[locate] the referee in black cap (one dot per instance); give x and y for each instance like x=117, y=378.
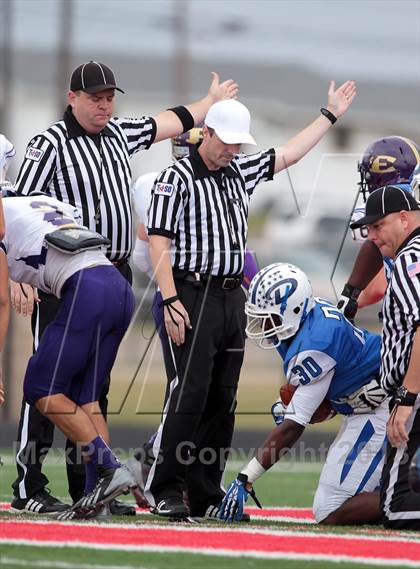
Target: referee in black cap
x=393, y=222
x=197, y=231
x=83, y=160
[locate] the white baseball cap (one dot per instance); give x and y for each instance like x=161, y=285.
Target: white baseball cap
x=231, y=121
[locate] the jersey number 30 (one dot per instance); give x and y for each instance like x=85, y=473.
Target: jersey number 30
x=308, y=370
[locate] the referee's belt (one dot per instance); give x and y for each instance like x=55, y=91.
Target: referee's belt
x=199, y=279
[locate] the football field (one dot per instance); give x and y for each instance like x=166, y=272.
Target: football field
x=282, y=533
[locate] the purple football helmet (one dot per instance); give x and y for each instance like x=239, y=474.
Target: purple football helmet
x=389, y=160
x=184, y=143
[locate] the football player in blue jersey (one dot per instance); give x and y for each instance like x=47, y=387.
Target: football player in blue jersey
x=389, y=160
x=326, y=358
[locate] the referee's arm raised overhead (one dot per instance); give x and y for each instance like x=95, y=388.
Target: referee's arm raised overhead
x=170, y=123
x=339, y=100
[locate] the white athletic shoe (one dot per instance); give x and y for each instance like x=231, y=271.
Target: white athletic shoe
x=112, y=483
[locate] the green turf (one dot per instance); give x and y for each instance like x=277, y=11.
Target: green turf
x=51, y=557
x=287, y=484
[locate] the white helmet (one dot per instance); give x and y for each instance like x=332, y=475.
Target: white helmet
x=280, y=297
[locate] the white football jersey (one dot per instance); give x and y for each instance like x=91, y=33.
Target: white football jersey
x=7, y=151
x=360, y=234
x=28, y=220
x=142, y=193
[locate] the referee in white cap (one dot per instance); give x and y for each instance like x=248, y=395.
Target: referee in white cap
x=198, y=228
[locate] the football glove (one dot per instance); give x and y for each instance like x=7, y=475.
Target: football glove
x=277, y=410
x=347, y=302
x=232, y=507
x=366, y=398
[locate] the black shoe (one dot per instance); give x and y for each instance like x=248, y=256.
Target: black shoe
x=172, y=507
x=118, y=508
x=40, y=503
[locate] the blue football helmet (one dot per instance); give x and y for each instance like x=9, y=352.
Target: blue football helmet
x=280, y=298
x=389, y=160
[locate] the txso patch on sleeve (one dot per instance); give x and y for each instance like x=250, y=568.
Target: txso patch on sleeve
x=162, y=189
x=34, y=154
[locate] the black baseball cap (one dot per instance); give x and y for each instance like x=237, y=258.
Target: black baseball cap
x=93, y=77
x=386, y=200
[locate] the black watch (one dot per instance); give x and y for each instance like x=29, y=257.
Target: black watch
x=404, y=397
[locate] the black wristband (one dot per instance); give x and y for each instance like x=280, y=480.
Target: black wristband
x=405, y=398
x=184, y=116
x=351, y=291
x=168, y=301
x=332, y=118
x=242, y=478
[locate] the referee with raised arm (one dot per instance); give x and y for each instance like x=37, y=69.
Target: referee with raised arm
x=84, y=160
x=197, y=230
x=393, y=221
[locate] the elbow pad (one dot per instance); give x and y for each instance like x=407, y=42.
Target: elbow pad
x=141, y=257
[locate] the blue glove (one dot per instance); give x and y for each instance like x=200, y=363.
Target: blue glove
x=277, y=410
x=232, y=507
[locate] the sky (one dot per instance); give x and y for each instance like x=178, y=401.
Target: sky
x=376, y=39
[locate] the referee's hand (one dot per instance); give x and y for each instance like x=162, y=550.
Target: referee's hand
x=23, y=297
x=176, y=320
x=396, y=429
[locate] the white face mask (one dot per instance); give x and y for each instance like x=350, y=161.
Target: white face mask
x=266, y=330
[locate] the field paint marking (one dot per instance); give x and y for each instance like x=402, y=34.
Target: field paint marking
x=217, y=553
x=214, y=540
x=63, y=564
x=384, y=535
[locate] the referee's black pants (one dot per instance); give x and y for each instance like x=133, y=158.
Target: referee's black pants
x=35, y=434
x=195, y=434
x=400, y=506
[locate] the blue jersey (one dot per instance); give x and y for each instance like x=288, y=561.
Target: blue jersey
x=328, y=341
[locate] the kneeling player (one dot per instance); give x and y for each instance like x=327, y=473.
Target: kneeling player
x=325, y=357
x=46, y=248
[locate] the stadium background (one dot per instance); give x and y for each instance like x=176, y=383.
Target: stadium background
x=282, y=54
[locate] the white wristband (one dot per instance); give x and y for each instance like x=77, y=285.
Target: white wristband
x=253, y=470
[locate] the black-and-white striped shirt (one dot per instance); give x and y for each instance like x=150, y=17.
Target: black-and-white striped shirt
x=401, y=313
x=91, y=172
x=205, y=212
